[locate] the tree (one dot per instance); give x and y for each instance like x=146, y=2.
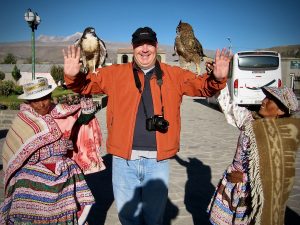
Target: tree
x=297, y=55
x=6, y=87
x=57, y=72
x=9, y=59
x=2, y=75
x=16, y=73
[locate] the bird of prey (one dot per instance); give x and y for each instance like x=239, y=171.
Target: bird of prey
x=93, y=50
x=187, y=47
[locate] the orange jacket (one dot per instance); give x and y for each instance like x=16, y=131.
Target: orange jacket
x=117, y=81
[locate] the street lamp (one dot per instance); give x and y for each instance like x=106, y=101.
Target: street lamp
x=230, y=46
x=33, y=20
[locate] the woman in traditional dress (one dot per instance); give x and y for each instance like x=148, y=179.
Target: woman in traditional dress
x=244, y=194
x=45, y=154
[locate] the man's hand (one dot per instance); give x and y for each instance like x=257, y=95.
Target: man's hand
x=221, y=64
x=71, y=61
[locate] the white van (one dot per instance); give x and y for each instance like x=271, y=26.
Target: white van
x=250, y=71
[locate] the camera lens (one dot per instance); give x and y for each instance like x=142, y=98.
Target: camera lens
x=163, y=124
x=157, y=123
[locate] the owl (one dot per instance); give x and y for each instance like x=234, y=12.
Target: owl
x=93, y=50
x=187, y=47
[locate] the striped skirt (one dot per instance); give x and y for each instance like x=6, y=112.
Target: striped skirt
x=230, y=203
x=36, y=195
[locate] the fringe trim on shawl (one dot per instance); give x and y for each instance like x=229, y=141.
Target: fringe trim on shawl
x=255, y=179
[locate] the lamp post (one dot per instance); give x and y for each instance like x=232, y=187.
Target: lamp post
x=230, y=46
x=33, y=20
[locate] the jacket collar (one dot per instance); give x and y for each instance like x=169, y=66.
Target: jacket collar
x=153, y=71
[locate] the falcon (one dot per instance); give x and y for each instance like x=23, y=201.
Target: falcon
x=187, y=47
x=93, y=50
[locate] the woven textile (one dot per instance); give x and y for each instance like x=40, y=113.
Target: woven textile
x=28, y=133
x=43, y=185
x=277, y=141
x=230, y=202
x=36, y=195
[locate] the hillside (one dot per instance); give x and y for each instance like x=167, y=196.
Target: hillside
x=51, y=52
x=287, y=51
x=48, y=52
x=49, y=49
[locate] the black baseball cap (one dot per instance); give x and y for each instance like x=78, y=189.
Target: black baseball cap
x=143, y=34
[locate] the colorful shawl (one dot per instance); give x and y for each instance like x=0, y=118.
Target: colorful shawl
x=31, y=131
x=274, y=143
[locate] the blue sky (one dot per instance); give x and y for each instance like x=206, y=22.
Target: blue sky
x=250, y=24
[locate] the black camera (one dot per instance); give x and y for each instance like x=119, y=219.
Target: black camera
x=157, y=123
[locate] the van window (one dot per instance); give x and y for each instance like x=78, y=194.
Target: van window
x=258, y=62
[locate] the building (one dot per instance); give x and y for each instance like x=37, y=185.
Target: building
x=290, y=66
x=291, y=73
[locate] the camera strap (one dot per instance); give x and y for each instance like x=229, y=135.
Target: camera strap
x=159, y=82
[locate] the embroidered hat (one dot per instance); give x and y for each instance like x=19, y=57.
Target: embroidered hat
x=36, y=89
x=284, y=95
x=143, y=34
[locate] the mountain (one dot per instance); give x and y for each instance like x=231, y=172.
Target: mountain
x=71, y=38
x=48, y=49
x=287, y=51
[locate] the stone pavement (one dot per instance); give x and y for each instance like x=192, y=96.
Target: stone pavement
x=207, y=147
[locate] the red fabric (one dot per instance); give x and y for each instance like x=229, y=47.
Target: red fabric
x=51, y=166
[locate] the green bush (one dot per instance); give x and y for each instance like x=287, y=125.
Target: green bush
x=18, y=90
x=2, y=75
x=16, y=74
x=9, y=59
x=6, y=87
x=57, y=72
x=14, y=105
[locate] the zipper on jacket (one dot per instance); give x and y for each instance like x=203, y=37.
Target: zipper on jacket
x=134, y=118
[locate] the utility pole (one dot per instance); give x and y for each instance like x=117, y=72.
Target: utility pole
x=230, y=45
x=33, y=20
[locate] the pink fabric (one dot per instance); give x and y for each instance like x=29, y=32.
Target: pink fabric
x=86, y=152
x=87, y=155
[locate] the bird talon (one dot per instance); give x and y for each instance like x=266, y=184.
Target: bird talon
x=95, y=72
x=85, y=70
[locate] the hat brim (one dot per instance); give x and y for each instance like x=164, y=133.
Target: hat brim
x=38, y=94
x=267, y=93
x=141, y=40
x=276, y=98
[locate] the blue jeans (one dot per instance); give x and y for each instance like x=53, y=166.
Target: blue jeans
x=140, y=190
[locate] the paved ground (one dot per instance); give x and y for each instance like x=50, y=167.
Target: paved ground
x=207, y=147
